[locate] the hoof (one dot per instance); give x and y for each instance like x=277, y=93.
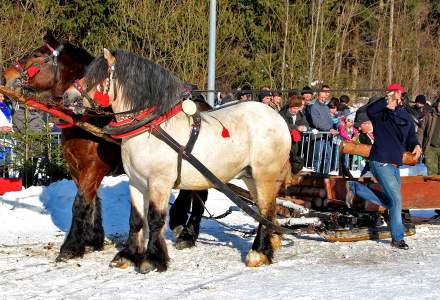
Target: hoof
x=186, y=239
x=255, y=259
x=147, y=266
x=122, y=260
x=66, y=255
x=184, y=244
x=177, y=231
x=121, y=263
x=275, y=241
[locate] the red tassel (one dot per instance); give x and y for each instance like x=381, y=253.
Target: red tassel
x=225, y=132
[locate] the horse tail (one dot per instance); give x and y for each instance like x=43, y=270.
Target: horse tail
x=286, y=177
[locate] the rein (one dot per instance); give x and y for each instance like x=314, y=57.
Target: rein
x=162, y=135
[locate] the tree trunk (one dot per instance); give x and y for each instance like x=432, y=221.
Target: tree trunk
x=286, y=30
x=390, y=43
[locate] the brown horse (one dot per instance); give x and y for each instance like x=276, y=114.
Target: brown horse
x=51, y=69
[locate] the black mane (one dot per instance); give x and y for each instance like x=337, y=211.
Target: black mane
x=145, y=83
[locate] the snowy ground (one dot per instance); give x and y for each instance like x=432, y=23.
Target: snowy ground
x=33, y=223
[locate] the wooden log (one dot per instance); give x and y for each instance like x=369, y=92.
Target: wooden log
x=348, y=147
x=306, y=191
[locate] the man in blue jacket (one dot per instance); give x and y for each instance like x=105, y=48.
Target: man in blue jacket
x=394, y=133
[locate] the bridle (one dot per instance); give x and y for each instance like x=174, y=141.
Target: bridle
x=25, y=74
x=101, y=98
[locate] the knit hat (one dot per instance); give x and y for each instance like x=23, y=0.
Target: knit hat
x=420, y=99
x=350, y=117
x=264, y=93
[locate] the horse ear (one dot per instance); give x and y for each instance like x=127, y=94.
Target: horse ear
x=109, y=57
x=50, y=38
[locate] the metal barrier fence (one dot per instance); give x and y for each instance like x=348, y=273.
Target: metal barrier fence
x=320, y=153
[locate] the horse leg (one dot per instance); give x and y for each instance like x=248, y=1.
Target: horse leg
x=266, y=240
x=156, y=256
x=134, y=249
x=86, y=228
x=188, y=236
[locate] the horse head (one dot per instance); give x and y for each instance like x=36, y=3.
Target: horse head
x=50, y=68
x=128, y=82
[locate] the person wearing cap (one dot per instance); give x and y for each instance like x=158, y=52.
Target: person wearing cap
x=265, y=96
x=307, y=95
x=394, y=133
x=430, y=133
x=322, y=121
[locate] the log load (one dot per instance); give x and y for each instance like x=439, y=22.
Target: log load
x=348, y=147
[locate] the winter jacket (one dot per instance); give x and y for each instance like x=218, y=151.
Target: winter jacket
x=394, y=132
x=294, y=121
x=427, y=130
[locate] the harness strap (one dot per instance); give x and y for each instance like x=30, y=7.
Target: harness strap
x=162, y=135
x=195, y=130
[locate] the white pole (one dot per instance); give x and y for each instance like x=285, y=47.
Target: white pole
x=211, y=51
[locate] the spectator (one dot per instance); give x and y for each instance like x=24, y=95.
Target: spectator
x=297, y=123
x=343, y=108
x=307, y=95
x=5, y=116
x=332, y=105
x=266, y=97
x=245, y=93
x=346, y=129
x=347, y=132
x=276, y=100
x=430, y=139
x=394, y=133
x=322, y=121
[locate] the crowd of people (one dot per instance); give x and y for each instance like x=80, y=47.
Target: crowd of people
x=332, y=120
x=389, y=123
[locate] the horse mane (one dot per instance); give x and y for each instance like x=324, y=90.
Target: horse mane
x=77, y=54
x=144, y=83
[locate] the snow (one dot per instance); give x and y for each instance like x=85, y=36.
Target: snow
x=34, y=221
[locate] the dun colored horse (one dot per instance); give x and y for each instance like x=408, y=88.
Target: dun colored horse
x=255, y=149
x=51, y=69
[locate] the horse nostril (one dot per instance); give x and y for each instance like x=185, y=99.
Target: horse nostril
x=66, y=100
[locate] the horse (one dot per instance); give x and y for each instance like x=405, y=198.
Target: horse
x=89, y=158
x=248, y=140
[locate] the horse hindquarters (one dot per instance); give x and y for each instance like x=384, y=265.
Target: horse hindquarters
x=89, y=160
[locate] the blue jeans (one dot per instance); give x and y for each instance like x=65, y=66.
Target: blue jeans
x=322, y=153
x=388, y=178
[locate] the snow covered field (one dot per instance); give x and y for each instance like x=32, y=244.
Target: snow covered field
x=33, y=223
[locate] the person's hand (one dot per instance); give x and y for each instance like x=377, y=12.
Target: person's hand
x=333, y=131
x=5, y=129
x=302, y=128
x=417, y=152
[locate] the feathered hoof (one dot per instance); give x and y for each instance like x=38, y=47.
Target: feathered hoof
x=146, y=266
x=255, y=259
x=121, y=261
x=275, y=241
x=184, y=244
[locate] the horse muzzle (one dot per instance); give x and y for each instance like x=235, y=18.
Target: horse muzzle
x=74, y=103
